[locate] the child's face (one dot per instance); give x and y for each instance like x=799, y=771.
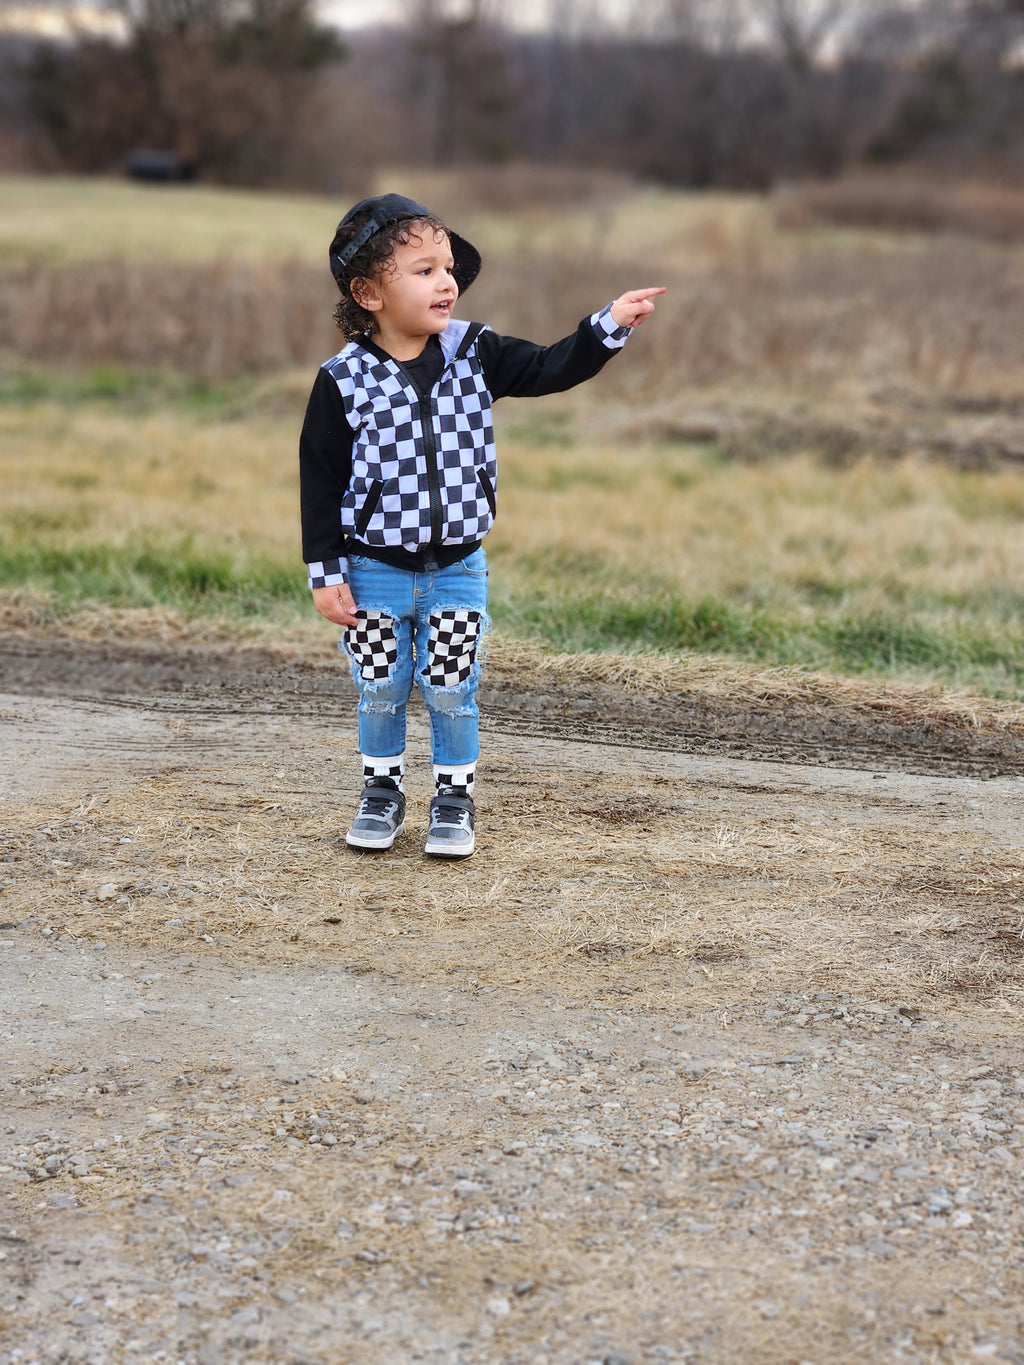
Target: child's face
x=414, y=297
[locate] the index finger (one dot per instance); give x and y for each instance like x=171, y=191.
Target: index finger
x=638, y=295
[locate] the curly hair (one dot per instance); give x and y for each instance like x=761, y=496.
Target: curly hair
x=372, y=261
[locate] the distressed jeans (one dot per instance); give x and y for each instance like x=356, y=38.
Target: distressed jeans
x=422, y=626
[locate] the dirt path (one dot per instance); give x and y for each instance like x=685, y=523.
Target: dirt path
x=703, y=1057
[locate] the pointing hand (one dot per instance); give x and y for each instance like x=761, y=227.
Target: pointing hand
x=635, y=305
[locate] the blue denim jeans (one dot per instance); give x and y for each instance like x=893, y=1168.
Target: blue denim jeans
x=422, y=626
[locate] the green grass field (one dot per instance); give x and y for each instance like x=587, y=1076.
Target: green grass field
x=68, y=220
x=129, y=488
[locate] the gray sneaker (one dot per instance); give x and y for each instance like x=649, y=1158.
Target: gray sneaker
x=379, y=819
x=450, y=835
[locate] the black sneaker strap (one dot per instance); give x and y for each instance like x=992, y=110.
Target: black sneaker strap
x=451, y=798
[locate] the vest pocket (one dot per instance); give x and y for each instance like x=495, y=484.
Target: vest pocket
x=369, y=506
x=488, y=487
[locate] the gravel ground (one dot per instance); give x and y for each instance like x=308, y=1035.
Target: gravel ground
x=470, y=1144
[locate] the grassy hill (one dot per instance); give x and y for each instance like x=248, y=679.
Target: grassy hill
x=805, y=460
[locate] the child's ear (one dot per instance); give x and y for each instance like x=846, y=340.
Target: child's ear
x=367, y=295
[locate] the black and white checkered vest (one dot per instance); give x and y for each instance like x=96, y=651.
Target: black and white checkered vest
x=423, y=466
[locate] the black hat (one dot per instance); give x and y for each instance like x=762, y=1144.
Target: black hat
x=392, y=208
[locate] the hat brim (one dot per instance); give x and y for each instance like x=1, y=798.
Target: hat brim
x=467, y=261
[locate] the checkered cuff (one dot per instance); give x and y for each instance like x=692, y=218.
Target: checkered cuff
x=326, y=573
x=610, y=334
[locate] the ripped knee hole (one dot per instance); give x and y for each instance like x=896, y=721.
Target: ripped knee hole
x=452, y=645
x=373, y=644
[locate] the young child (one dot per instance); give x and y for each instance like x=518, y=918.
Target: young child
x=398, y=484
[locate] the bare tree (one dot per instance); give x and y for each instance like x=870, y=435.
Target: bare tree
x=694, y=92
x=718, y=25
x=460, y=80
x=221, y=83
x=800, y=29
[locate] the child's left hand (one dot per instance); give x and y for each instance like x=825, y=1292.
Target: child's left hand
x=631, y=309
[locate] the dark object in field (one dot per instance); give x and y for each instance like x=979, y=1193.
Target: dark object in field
x=160, y=167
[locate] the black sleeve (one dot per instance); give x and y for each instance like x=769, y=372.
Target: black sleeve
x=520, y=369
x=325, y=467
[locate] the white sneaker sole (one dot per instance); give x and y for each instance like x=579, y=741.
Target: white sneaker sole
x=365, y=841
x=444, y=849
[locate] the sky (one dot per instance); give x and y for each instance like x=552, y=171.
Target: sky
x=54, y=16
x=578, y=15
x=525, y=14
x=357, y=13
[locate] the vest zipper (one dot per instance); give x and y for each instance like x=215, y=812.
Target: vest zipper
x=426, y=406
x=430, y=457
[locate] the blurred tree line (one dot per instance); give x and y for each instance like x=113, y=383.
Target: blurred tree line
x=731, y=93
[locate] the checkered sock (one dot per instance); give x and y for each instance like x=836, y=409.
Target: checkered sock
x=455, y=777
x=384, y=767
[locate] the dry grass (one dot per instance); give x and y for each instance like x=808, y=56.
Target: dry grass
x=903, y=201
x=74, y=220
x=206, y=320
x=515, y=189
x=700, y=894
x=748, y=303
x=111, y=501
x=833, y=319
x=510, y=660
x=872, y=532
x=913, y=531
x=828, y=354
x=308, y=640
x=100, y=475
x=694, y=886
x=927, y=553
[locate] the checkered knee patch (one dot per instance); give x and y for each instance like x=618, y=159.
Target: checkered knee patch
x=373, y=645
x=451, y=649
